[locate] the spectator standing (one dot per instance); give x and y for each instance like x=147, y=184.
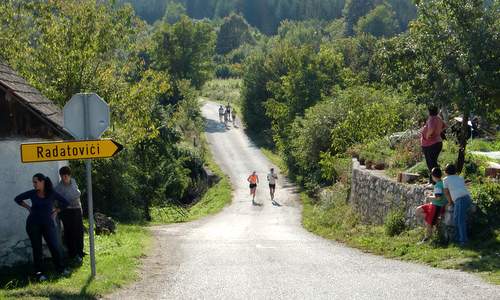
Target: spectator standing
x=431, y=140
x=457, y=194
x=71, y=216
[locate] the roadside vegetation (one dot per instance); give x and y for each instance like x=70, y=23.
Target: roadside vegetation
x=152, y=88
x=336, y=79
x=318, y=93
x=212, y=201
x=117, y=256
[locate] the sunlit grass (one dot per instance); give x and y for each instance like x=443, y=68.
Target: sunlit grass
x=481, y=257
x=213, y=201
x=117, y=258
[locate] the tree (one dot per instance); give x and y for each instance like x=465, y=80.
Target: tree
x=233, y=33
x=353, y=11
x=185, y=50
x=378, y=22
x=454, y=45
x=174, y=12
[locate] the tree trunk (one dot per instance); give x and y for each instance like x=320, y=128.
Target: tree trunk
x=147, y=212
x=462, y=142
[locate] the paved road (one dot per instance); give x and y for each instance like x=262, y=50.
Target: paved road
x=262, y=252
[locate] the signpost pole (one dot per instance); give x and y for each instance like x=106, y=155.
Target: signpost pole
x=88, y=167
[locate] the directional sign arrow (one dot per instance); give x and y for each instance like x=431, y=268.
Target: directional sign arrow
x=39, y=152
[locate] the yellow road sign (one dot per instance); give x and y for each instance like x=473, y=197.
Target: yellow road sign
x=39, y=152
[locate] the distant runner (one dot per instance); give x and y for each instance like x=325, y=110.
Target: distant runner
x=235, y=124
x=272, y=177
x=253, y=180
x=221, y=114
x=228, y=111
x=226, y=119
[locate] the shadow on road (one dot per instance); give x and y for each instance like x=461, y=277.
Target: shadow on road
x=212, y=126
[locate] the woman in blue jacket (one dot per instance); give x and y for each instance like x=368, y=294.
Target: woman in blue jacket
x=41, y=221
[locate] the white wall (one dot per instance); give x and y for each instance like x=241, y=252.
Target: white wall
x=15, y=178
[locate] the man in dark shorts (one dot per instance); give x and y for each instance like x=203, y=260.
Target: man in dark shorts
x=271, y=178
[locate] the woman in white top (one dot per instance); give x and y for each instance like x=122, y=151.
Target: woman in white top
x=456, y=192
x=272, y=177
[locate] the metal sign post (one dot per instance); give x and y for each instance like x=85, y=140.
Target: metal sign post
x=88, y=127
x=94, y=122
x=90, y=204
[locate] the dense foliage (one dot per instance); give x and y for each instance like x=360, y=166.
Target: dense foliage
x=266, y=15
x=314, y=94
x=145, y=74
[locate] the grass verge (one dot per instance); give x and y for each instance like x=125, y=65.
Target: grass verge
x=330, y=221
x=334, y=219
x=213, y=201
x=117, y=258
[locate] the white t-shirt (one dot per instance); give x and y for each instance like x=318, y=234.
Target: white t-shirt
x=271, y=177
x=456, y=185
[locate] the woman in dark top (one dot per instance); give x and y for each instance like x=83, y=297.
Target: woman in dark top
x=41, y=221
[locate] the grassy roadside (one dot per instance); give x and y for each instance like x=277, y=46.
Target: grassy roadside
x=212, y=202
x=117, y=257
x=480, y=258
x=335, y=220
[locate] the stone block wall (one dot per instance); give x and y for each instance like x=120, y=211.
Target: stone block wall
x=374, y=195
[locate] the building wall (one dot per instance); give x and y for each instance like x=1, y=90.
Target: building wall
x=374, y=195
x=15, y=178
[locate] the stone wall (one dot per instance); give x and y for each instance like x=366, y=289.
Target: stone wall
x=15, y=178
x=374, y=195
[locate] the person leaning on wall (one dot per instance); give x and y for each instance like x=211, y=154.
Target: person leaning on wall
x=71, y=216
x=41, y=222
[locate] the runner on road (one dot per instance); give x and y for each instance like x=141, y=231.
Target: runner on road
x=228, y=111
x=234, y=119
x=272, y=177
x=221, y=114
x=253, y=180
x=226, y=119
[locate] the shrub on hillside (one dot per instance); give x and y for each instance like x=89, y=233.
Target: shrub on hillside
x=333, y=209
x=487, y=198
x=394, y=223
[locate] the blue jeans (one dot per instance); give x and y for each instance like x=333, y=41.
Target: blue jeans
x=462, y=205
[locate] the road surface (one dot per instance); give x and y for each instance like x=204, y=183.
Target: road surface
x=262, y=252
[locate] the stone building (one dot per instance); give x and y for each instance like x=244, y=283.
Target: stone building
x=25, y=116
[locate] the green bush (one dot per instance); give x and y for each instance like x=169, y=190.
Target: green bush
x=484, y=145
x=487, y=198
x=378, y=151
x=420, y=168
x=333, y=211
x=406, y=154
x=394, y=223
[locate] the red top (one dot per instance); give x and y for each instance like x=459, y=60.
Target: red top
x=436, y=126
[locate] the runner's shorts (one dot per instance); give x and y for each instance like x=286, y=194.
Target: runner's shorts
x=253, y=185
x=272, y=186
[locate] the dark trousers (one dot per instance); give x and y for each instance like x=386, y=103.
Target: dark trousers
x=73, y=231
x=47, y=229
x=431, y=154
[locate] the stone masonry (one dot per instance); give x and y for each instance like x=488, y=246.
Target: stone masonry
x=374, y=195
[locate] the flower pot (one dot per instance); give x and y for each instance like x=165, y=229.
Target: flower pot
x=369, y=164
